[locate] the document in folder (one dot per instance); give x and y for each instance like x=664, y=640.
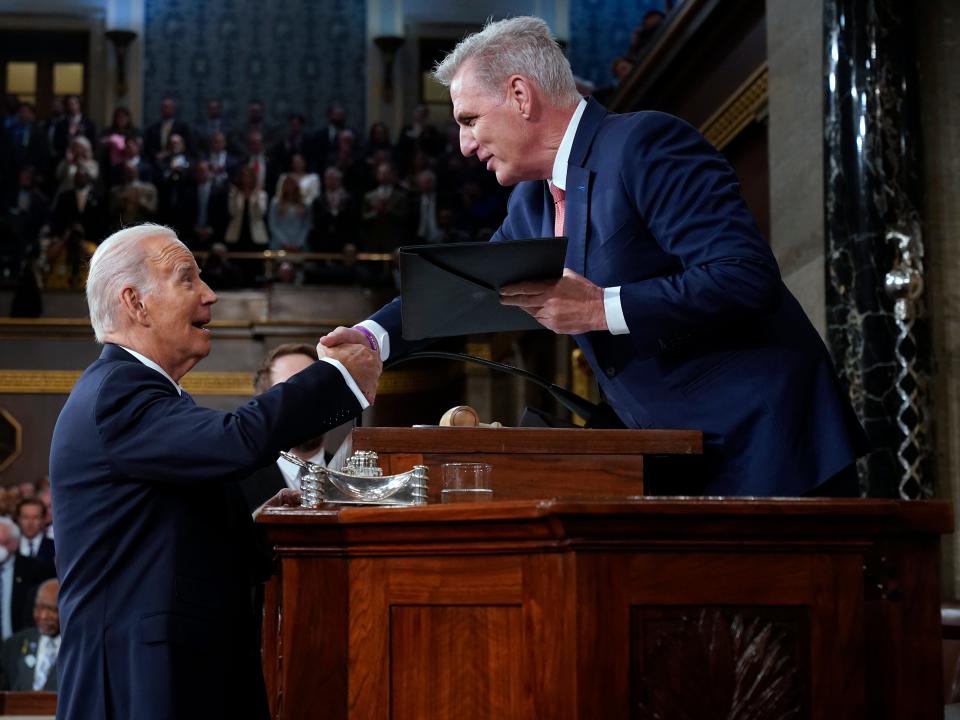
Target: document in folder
x=454, y=289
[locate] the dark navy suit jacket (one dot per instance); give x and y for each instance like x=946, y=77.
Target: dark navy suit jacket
x=154, y=539
x=717, y=342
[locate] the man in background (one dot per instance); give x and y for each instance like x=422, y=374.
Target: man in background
x=280, y=364
x=28, y=659
x=19, y=577
x=31, y=517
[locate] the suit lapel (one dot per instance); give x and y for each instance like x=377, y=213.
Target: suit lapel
x=577, y=211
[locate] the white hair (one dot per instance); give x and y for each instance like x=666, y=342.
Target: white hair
x=12, y=527
x=516, y=46
x=119, y=262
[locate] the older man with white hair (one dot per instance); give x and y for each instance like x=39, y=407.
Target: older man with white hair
x=154, y=543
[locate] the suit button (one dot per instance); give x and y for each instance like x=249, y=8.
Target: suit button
x=610, y=371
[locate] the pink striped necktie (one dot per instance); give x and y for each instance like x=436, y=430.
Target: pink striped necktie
x=558, y=207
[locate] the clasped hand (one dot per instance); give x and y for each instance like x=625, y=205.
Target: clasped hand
x=350, y=348
x=569, y=305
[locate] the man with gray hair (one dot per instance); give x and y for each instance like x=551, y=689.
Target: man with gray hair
x=19, y=577
x=669, y=289
x=155, y=547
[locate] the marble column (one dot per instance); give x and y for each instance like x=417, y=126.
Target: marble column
x=876, y=320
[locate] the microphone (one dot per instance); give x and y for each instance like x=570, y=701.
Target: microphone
x=595, y=415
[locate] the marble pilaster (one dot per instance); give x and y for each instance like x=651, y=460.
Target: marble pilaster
x=876, y=321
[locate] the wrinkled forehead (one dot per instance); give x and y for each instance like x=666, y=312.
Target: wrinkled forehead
x=166, y=254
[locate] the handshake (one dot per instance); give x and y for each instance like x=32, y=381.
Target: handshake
x=358, y=351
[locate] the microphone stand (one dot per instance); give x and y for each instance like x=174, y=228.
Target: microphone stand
x=594, y=415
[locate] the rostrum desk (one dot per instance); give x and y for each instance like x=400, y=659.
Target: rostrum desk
x=599, y=607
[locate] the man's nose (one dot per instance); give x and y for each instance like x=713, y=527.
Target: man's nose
x=468, y=145
x=209, y=296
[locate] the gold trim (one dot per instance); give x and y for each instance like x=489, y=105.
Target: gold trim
x=581, y=380
x=17, y=443
x=740, y=109
x=235, y=384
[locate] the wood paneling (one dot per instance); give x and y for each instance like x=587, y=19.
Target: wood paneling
x=576, y=610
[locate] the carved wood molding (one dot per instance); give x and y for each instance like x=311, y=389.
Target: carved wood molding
x=716, y=665
x=744, y=106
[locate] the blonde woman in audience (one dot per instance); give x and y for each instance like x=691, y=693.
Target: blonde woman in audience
x=309, y=182
x=289, y=218
x=247, y=228
x=79, y=155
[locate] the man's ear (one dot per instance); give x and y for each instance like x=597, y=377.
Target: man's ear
x=521, y=96
x=133, y=306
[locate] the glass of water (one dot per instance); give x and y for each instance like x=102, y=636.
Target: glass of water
x=466, y=482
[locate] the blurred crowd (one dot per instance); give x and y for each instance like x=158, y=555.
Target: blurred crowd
x=65, y=185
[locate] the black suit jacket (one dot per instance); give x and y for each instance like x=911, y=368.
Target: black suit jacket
x=66, y=213
x=262, y=485
x=16, y=671
x=152, y=138
x=153, y=539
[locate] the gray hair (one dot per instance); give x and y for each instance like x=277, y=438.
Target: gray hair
x=516, y=46
x=11, y=526
x=120, y=261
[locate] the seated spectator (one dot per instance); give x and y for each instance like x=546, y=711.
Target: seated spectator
x=385, y=212
x=289, y=218
x=642, y=34
x=247, y=228
x=223, y=165
x=72, y=125
x=78, y=155
x=418, y=135
x=426, y=208
x=156, y=139
x=379, y=140
x=205, y=210
x=133, y=202
x=26, y=138
x=67, y=260
x=348, y=161
x=214, y=123
x=335, y=215
x=309, y=182
x=620, y=69
x=27, y=210
x=113, y=144
x=257, y=160
x=31, y=518
x=80, y=204
x=28, y=659
x=22, y=575
x=133, y=157
x=293, y=143
x=175, y=186
x=219, y=271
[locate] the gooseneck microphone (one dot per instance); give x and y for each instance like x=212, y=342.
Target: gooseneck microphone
x=593, y=414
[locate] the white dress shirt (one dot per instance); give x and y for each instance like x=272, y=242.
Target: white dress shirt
x=6, y=580
x=29, y=547
x=47, y=650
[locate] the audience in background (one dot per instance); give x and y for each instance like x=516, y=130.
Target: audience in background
x=61, y=192
x=28, y=659
x=21, y=575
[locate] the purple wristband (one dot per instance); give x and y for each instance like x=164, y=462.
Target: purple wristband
x=371, y=338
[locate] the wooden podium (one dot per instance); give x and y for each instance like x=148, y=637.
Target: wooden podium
x=596, y=607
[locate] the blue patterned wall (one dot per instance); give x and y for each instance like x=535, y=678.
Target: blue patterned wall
x=294, y=55
x=600, y=32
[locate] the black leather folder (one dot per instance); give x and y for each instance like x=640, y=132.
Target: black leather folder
x=453, y=289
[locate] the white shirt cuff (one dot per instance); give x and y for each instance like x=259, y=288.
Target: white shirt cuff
x=351, y=383
x=616, y=322
x=382, y=336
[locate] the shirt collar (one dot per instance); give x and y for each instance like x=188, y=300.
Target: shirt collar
x=152, y=365
x=559, y=178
